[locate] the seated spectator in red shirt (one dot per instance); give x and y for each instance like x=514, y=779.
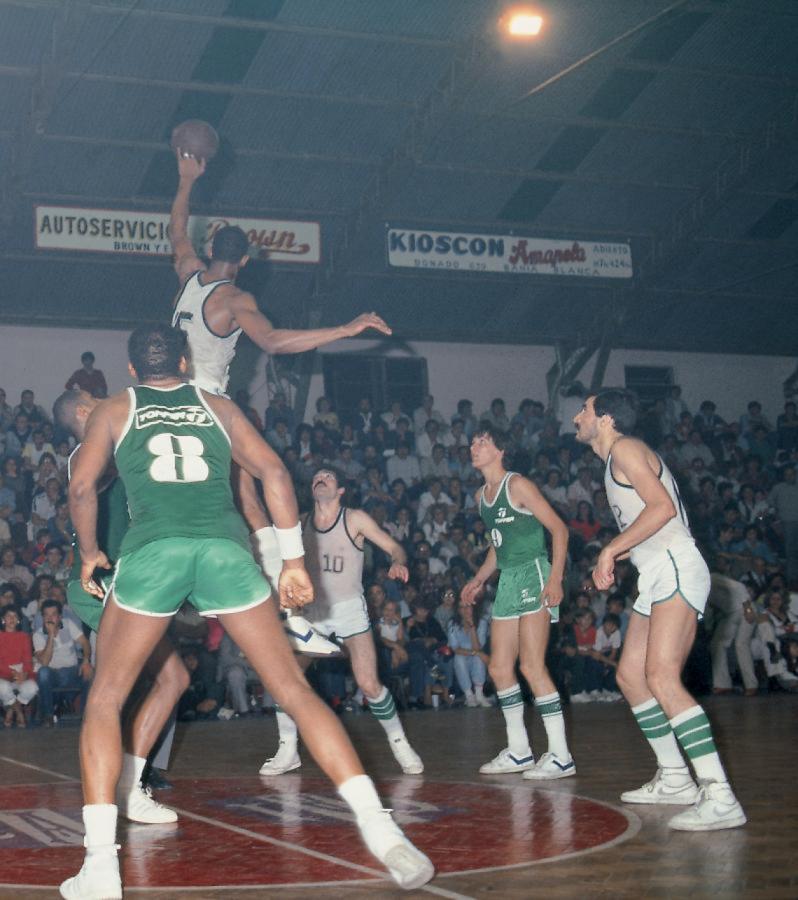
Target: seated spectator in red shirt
x=87, y=378
x=17, y=681
x=584, y=523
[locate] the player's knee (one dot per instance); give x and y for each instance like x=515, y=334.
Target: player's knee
x=534, y=673
x=660, y=674
x=500, y=672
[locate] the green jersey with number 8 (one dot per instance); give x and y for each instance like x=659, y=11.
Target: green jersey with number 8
x=174, y=458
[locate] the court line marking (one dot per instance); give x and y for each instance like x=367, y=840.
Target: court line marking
x=263, y=838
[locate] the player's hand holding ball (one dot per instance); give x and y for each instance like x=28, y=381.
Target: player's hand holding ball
x=295, y=587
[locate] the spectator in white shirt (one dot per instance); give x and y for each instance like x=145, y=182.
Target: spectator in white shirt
x=437, y=466
x=433, y=495
x=403, y=464
x=425, y=412
x=582, y=489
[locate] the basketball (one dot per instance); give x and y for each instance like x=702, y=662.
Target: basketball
x=195, y=138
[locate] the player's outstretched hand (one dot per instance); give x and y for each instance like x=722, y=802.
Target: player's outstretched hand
x=296, y=589
x=88, y=564
x=399, y=572
x=365, y=321
x=189, y=167
x=471, y=591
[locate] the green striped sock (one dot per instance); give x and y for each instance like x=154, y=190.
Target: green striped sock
x=550, y=709
x=694, y=733
x=384, y=710
x=658, y=732
x=512, y=706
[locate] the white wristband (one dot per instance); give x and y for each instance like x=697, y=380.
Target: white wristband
x=290, y=541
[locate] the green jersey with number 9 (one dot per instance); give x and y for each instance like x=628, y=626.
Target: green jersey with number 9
x=174, y=459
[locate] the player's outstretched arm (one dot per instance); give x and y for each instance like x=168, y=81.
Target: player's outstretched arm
x=525, y=493
x=371, y=531
x=186, y=260
x=87, y=468
x=283, y=340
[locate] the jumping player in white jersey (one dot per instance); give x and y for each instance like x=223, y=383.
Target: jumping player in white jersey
x=213, y=312
x=673, y=586
x=334, y=537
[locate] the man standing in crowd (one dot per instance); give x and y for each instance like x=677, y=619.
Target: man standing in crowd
x=87, y=378
x=673, y=586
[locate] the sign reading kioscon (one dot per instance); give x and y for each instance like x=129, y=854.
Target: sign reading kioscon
x=126, y=231
x=508, y=254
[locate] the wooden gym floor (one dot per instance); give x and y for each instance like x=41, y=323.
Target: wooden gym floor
x=499, y=836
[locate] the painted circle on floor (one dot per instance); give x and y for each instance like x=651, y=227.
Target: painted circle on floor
x=292, y=830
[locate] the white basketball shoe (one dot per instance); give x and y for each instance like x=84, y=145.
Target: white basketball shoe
x=407, y=865
x=673, y=787
x=549, y=767
x=506, y=763
x=286, y=759
x=716, y=808
x=306, y=640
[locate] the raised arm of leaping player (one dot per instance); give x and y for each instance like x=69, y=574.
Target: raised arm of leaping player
x=186, y=260
x=260, y=330
x=252, y=453
x=362, y=523
x=633, y=463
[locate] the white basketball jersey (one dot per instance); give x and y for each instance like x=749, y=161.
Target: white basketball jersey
x=627, y=505
x=211, y=354
x=334, y=563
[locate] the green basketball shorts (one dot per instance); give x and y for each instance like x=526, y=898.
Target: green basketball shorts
x=215, y=575
x=520, y=588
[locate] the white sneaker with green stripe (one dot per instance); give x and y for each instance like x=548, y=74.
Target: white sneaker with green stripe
x=506, y=762
x=716, y=808
x=674, y=787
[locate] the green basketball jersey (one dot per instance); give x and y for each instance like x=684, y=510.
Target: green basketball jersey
x=174, y=459
x=112, y=521
x=516, y=535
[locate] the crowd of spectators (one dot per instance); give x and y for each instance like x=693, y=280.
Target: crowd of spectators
x=410, y=469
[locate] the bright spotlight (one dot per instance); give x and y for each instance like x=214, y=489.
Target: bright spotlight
x=522, y=23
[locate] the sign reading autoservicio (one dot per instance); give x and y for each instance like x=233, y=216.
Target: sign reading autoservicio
x=147, y=233
x=508, y=254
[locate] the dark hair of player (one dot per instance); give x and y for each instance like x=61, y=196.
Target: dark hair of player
x=229, y=245
x=155, y=351
x=620, y=405
x=501, y=440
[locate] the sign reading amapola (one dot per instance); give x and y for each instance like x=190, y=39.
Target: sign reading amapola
x=509, y=254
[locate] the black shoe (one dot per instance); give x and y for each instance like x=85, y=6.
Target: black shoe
x=156, y=779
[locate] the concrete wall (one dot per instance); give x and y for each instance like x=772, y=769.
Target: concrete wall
x=43, y=358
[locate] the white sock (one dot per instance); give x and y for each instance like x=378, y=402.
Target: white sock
x=694, y=733
x=658, y=732
x=512, y=706
x=550, y=710
x=383, y=709
x=286, y=727
x=132, y=770
x=361, y=795
x=267, y=553
x=99, y=820
x=478, y=690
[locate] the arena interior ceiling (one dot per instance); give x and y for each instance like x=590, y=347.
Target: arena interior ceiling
x=668, y=127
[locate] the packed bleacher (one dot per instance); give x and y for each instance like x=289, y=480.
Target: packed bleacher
x=410, y=469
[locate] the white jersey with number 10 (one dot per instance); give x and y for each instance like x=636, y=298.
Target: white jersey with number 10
x=334, y=563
